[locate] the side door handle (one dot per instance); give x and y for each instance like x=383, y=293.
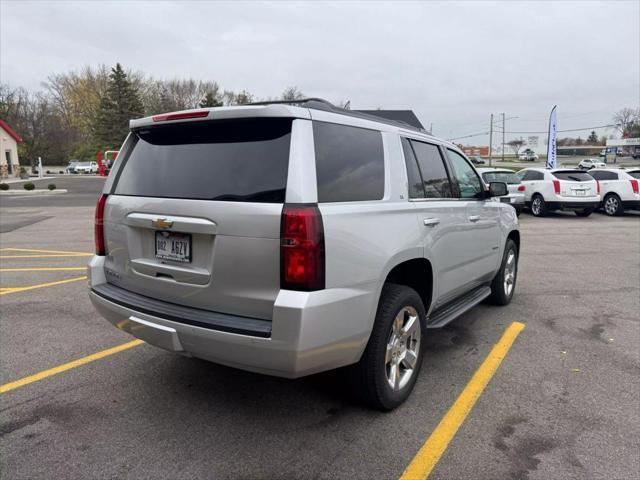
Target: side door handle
x=431, y=222
x=474, y=218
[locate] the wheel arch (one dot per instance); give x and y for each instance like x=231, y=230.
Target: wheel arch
x=416, y=273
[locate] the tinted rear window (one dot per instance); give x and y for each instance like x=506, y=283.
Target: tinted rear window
x=240, y=160
x=349, y=163
x=635, y=174
x=507, y=177
x=573, y=176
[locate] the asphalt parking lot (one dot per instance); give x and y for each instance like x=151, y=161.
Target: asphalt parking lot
x=564, y=402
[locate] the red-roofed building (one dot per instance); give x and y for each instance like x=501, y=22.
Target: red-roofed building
x=9, y=163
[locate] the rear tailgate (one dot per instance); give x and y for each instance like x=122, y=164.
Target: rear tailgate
x=575, y=183
x=194, y=214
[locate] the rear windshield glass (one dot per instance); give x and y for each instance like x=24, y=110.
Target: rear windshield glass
x=573, y=176
x=506, y=177
x=238, y=161
x=635, y=174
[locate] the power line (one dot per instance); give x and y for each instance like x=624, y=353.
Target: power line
x=575, y=129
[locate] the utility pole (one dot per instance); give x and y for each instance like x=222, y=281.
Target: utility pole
x=503, y=136
x=490, y=138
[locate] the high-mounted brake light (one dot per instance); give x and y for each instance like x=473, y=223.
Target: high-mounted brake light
x=180, y=116
x=521, y=188
x=302, y=264
x=634, y=186
x=556, y=186
x=99, y=226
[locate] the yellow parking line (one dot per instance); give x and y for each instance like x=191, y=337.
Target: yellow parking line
x=48, y=255
x=42, y=269
x=67, y=366
x=5, y=291
x=428, y=456
x=41, y=251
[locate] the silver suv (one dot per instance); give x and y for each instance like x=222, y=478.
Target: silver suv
x=293, y=239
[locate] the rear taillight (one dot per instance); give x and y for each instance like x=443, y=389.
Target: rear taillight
x=556, y=186
x=521, y=188
x=634, y=186
x=598, y=187
x=180, y=116
x=99, y=225
x=302, y=263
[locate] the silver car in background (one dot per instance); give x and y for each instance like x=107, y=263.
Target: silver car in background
x=516, y=195
x=290, y=240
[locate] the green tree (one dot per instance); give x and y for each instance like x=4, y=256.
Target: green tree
x=120, y=103
x=210, y=100
x=593, y=138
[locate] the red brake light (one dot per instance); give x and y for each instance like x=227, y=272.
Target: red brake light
x=302, y=264
x=598, y=187
x=180, y=116
x=556, y=186
x=521, y=188
x=98, y=227
x=634, y=186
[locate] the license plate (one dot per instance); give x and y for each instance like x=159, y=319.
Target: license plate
x=580, y=193
x=173, y=246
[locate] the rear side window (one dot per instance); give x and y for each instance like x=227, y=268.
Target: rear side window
x=238, y=161
x=349, y=163
x=528, y=175
x=635, y=174
x=416, y=189
x=507, y=177
x=573, y=176
x=434, y=175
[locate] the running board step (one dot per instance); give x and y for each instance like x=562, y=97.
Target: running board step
x=456, y=308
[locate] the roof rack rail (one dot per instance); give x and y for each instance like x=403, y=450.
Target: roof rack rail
x=322, y=104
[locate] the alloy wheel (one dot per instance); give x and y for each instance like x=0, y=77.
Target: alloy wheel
x=611, y=205
x=403, y=348
x=510, y=273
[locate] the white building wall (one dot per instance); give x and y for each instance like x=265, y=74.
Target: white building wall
x=10, y=146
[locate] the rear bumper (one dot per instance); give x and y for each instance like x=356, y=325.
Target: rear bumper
x=573, y=205
x=631, y=204
x=310, y=331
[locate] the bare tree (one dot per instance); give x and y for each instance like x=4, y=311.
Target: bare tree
x=292, y=93
x=625, y=118
x=516, y=145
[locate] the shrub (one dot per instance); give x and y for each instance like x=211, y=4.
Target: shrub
x=61, y=172
x=4, y=186
x=29, y=186
x=51, y=186
x=48, y=172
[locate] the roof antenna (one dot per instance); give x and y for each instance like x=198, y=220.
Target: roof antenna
x=347, y=105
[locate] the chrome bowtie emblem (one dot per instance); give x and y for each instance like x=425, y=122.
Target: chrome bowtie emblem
x=161, y=223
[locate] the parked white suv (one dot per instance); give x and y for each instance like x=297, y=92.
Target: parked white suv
x=289, y=240
x=618, y=188
x=515, y=198
x=86, y=167
x=589, y=163
x=560, y=189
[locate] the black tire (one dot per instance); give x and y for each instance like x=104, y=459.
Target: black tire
x=612, y=205
x=499, y=294
x=538, y=206
x=585, y=212
x=370, y=376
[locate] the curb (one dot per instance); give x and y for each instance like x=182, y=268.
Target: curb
x=37, y=191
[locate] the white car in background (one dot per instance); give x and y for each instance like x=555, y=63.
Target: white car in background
x=87, y=167
x=515, y=198
x=589, y=163
x=559, y=189
x=619, y=189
